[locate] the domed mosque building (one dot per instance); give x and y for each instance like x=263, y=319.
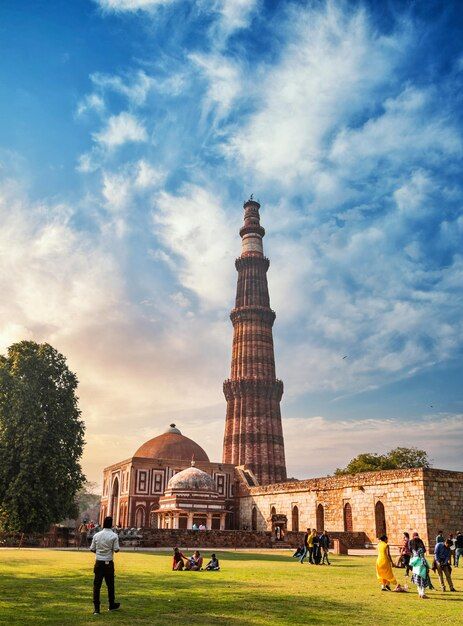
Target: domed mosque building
x=160, y=487
x=169, y=483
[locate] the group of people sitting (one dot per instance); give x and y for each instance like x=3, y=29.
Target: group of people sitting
x=194, y=562
x=412, y=558
x=315, y=546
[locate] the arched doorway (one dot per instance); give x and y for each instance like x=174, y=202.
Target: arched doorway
x=140, y=517
x=380, y=519
x=273, y=511
x=320, y=518
x=295, y=519
x=115, y=501
x=254, y=518
x=348, y=525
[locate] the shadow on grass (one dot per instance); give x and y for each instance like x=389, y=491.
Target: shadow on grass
x=163, y=599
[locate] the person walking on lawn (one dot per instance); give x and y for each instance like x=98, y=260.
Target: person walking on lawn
x=104, y=544
x=305, y=545
x=442, y=556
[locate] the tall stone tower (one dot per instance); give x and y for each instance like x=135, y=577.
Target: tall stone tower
x=253, y=433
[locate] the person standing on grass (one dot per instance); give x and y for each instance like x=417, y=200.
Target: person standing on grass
x=104, y=544
x=310, y=544
x=420, y=573
x=406, y=553
x=305, y=545
x=83, y=529
x=440, y=537
x=442, y=556
x=458, y=547
x=416, y=543
x=384, y=567
x=325, y=546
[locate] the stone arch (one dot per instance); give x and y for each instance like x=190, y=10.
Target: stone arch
x=380, y=519
x=273, y=511
x=140, y=517
x=254, y=518
x=320, y=517
x=295, y=519
x=348, y=524
x=114, y=512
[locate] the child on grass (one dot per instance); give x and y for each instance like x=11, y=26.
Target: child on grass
x=420, y=572
x=213, y=565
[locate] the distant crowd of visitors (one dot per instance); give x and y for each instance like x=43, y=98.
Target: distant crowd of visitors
x=315, y=548
x=447, y=551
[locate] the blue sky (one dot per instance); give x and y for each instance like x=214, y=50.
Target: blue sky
x=131, y=131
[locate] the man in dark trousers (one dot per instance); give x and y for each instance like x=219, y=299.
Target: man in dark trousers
x=104, y=544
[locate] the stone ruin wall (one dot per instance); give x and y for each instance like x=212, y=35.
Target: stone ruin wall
x=407, y=495
x=443, y=492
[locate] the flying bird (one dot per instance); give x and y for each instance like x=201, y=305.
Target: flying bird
x=345, y=357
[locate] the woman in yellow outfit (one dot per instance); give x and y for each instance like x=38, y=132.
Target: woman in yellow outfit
x=384, y=567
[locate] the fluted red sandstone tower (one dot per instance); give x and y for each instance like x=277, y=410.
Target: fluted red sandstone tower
x=253, y=433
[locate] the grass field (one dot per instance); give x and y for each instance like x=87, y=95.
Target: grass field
x=55, y=587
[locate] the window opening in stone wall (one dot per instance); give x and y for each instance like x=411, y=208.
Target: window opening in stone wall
x=140, y=517
x=273, y=511
x=254, y=518
x=348, y=525
x=320, y=517
x=295, y=519
x=380, y=519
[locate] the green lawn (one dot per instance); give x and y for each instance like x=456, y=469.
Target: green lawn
x=55, y=587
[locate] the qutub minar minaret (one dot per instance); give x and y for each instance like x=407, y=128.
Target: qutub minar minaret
x=253, y=433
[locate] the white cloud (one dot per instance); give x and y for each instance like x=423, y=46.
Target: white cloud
x=91, y=102
x=135, y=89
x=120, y=6
x=194, y=226
x=234, y=14
x=331, y=66
x=120, y=186
x=121, y=129
x=224, y=81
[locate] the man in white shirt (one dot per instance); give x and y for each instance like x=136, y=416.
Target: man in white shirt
x=104, y=544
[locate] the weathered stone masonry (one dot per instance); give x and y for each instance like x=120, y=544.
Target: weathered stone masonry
x=391, y=501
x=253, y=431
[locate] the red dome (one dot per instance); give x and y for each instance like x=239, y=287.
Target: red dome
x=172, y=446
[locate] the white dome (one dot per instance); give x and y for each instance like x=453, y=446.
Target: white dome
x=192, y=479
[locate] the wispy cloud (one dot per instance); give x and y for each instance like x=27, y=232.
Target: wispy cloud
x=121, y=6
x=121, y=129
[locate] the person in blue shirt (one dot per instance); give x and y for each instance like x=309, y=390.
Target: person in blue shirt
x=442, y=555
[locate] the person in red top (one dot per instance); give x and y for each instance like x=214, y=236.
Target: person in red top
x=406, y=553
x=178, y=563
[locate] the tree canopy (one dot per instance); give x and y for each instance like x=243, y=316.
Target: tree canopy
x=41, y=438
x=398, y=458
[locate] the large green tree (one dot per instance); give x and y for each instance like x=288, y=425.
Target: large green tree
x=41, y=438
x=398, y=458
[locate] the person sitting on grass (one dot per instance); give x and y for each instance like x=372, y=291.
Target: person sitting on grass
x=420, y=573
x=178, y=560
x=384, y=567
x=213, y=565
x=197, y=561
